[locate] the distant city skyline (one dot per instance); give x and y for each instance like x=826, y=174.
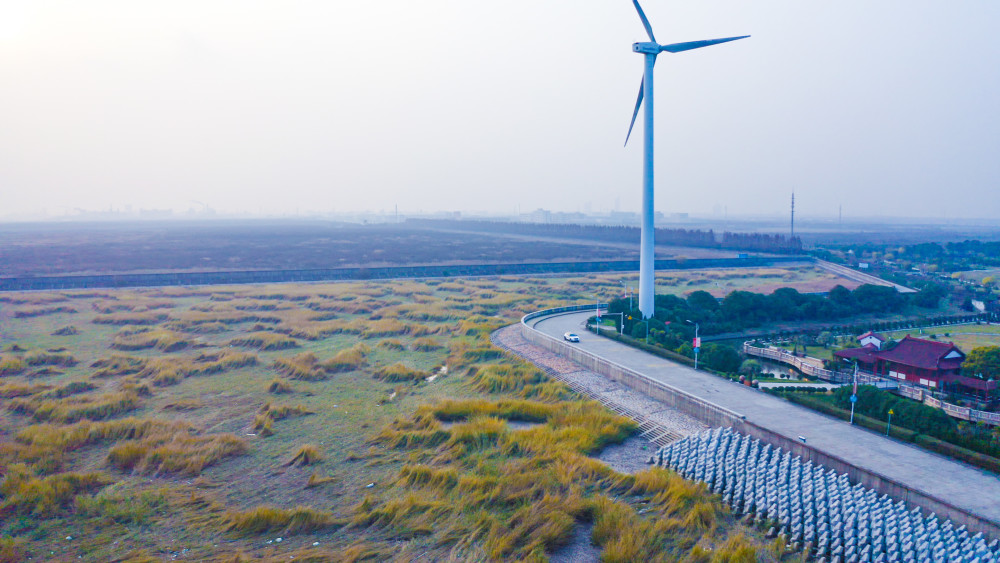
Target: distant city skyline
x=886, y=109
x=780, y=223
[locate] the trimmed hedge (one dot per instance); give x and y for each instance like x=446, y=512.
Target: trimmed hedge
x=652, y=349
x=796, y=389
x=905, y=434
x=666, y=354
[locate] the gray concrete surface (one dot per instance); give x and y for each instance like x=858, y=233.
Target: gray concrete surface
x=961, y=485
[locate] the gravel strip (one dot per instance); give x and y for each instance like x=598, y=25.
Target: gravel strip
x=579, y=549
x=631, y=456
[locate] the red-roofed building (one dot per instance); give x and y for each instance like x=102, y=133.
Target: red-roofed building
x=922, y=362
x=927, y=363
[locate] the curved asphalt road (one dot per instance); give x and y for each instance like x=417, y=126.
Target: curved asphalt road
x=972, y=489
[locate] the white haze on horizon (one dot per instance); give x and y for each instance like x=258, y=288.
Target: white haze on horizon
x=886, y=108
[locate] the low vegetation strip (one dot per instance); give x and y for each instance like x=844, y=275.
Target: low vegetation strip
x=394, y=419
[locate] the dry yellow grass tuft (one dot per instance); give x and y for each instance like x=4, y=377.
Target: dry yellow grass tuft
x=263, y=425
x=308, y=367
x=144, y=338
x=99, y=407
x=426, y=345
x=41, y=358
x=181, y=453
x=131, y=303
x=31, y=312
x=131, y=318
x=27, y=495
x=302, y=519
x=305, y=367
x=32, y=298
x=12, y=390
x=393, y=327
x=399, y=372
x=391, y=344
x=265, y=341
x=306, y=455
x=282, y=412
x=118, y=365
x=263, y=422
x=169, y=371
x=317, y=480
x=141, y=445
x=348, y=360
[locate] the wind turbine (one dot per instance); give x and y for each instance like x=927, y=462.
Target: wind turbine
x=650, y=50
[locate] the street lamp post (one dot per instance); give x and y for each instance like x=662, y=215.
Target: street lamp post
x=697, y=341
x=888, y=423
x=627, y=293
x=854, y=393
x=597, y=312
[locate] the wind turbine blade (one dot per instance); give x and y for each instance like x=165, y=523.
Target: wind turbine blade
x=645, y=22
x=638, y=103
x=678, y=47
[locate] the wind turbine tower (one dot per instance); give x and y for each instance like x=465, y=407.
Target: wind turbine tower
x=650, y=50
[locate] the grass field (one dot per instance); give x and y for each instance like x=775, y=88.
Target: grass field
x=965, y=337
x=355, y=421
x=978, y=275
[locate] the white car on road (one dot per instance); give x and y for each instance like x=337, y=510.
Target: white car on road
x=570, y=337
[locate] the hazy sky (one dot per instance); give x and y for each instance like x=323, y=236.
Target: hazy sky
x=888, y=107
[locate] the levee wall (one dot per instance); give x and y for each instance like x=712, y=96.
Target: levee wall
x=715, y=415
x=32, y=283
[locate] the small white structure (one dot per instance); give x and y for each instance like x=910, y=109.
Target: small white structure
x=876, y=340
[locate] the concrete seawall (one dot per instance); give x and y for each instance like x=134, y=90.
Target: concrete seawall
x=715, y=415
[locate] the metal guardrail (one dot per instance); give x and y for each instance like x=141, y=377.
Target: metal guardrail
x=723, y=412
x=795, y=361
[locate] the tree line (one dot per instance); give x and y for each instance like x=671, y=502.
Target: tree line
x=741, y=310
x=672, y=325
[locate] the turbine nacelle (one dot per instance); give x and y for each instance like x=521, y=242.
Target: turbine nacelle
x=646, y=48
